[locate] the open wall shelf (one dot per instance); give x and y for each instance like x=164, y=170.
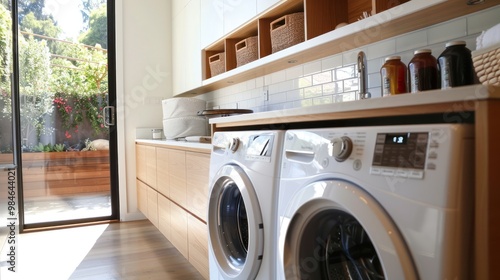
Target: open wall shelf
x=323, y=35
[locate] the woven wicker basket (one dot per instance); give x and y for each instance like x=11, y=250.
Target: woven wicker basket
x=287, y=31
x=487, y=65
x=217, y=64
x=246, y=51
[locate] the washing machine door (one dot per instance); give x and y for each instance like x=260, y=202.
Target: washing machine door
x=335, y=230
x=235, y=224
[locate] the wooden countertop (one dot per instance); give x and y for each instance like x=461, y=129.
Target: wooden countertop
x=179, y=145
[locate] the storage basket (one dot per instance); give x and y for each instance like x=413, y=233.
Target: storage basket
x=217, y=64
x=287, y=31
x=487, y=66
x=246, y=51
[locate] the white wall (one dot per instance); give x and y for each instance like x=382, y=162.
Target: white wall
x=143, y=80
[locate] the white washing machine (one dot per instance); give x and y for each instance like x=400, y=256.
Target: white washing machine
x=244, y=168
x=390, y=202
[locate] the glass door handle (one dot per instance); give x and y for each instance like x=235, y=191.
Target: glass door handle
x=108, y=113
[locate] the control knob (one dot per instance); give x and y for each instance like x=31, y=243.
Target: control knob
x=235, y=143
x=340, y=148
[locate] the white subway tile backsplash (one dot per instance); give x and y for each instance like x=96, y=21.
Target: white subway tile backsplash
x=294, y=72
x=335, y=78
x=305, y=82
x=277, y=98
x=331, y=62
x=382, y=49
x=312, y=67
x=322, y=100
x=333, y=88
x=447, y=31
x=294, y=95
x=351, y=84
x=278, y=77
x=374, y=80
x=410, y=41
x=313, y=91
x=482, y=21
x=345, y=73
x=322, y=78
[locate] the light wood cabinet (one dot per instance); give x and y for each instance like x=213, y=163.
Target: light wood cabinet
x=178, y=205
x=164, y=224
x=162, y=174
x=152, y=206
x=146, y=164
x=197, y=166
x=177, y=176
x=142, y=197
x=179, y=229
x=198, y=245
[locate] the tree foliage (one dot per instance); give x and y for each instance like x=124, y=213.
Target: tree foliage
x=98, y=31
x=87, y=6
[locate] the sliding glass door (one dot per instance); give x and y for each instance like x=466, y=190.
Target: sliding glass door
x=66, y=93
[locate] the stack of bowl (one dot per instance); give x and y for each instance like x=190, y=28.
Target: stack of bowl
x=180, y=117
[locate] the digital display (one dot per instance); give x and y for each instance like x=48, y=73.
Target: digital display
x=396, y=138
x=401, y=150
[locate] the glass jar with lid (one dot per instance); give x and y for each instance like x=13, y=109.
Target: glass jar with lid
x=393, y=74
x=455, y=65
x=423, y=71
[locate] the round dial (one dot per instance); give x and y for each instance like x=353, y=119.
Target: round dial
x=233, y=146
x=341, y=148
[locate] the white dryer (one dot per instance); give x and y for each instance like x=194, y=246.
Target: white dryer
x=390, y=202
x=244, y=168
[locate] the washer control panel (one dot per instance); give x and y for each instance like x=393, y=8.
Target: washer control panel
x=401, y=153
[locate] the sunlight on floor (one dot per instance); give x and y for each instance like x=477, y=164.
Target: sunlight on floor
x=53, y=254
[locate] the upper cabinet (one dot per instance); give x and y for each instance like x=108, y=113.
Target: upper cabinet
x=263, y=5
x=238, y=12
x=186, y=50
x=212, y=24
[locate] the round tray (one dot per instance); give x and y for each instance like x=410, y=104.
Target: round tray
x=223, y=112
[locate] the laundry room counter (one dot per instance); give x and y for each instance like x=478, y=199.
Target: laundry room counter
x=180, y=145
x=478, y=105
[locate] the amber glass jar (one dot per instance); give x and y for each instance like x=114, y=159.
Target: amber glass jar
x=393, y=74
x=455, y=65
x=423, y=71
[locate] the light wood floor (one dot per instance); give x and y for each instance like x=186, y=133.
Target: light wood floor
x=128, y=250
x=134, y=250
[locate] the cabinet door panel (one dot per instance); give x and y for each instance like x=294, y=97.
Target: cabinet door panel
x=151, y=166
x=236, y=13
x=142, y=197
x=140, y=157
x=197, y=167
x=153, y=206
x=179, y=229
x=263, y=5
x=211, y=17
x=164, y=214
x=162, y=178
x=198, y=245
x=177, y=176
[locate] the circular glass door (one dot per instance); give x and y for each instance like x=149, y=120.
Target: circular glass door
x=235, y=224
x=335, y=230
x=342, y=248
